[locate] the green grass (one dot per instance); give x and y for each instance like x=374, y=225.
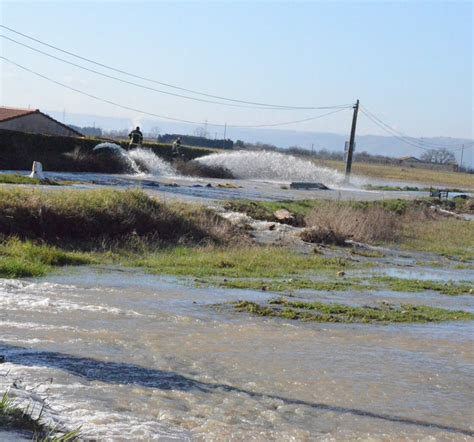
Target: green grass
x=264, y=262
x=14, y=418
x=375, y=283
x=19, y=259
x=18, y=179
x=329, y=312
x=294, y=284
x=418, y=285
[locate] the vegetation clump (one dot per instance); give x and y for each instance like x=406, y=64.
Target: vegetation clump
x=329, y=312
x=418, y=285
x=83, y=217
x=19, y=259
x=292, y=284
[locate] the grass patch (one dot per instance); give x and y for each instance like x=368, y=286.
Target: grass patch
x=18, y=179
x=294, y=284
x=265, y=262
x=13, y=417
x=417, y=285
x=20, y=259
x=329, y=312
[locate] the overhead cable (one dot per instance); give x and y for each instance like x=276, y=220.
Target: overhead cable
x=121, y=71
x=113, y=103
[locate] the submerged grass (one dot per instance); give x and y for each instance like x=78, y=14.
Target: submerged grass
x=265, y=262
x=417, y=285
x=14, y=418
x=295, y=284
x=328, y=312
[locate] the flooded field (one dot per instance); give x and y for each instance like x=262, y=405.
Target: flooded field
x=131, y=356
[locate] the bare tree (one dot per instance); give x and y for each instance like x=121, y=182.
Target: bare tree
x=201, y=131
x=439, y=156
x=155, y=132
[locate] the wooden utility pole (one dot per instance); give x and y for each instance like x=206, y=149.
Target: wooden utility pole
x=351, y=141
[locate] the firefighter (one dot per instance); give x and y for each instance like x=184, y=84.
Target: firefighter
x=136, y=138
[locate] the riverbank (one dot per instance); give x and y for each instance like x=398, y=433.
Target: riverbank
x=46, y=230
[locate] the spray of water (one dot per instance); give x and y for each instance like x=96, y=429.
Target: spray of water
x=139, y=160
x=272, y=166
x=120, y=152
x=151, y=162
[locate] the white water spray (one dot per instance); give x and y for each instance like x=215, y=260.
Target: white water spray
x=151, y=162
x=272, y=166
x=140, y=157
x=120, y=152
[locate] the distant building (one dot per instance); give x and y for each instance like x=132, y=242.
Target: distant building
x=34, y=121
x=410, y=160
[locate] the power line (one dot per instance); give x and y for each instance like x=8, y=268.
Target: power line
x=113, y=103
x=136, y=84
x=409, y=140
x=266, y=105
x=392, y=133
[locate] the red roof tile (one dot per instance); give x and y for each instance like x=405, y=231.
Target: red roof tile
x=8, y=113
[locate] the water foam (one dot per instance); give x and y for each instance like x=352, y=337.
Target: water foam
x=271, y=166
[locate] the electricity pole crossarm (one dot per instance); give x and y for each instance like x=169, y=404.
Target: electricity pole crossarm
x=351, y=141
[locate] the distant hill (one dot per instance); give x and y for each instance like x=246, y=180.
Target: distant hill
x=373, y=144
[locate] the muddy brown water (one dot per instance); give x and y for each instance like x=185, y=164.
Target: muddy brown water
x=139, y=357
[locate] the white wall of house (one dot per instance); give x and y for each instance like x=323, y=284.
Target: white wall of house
x=37, y=123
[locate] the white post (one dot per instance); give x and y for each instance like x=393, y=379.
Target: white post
x=37, y=170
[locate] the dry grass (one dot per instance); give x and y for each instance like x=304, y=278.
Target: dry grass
x=334, y=224
x=404, y=173
x=410, y=226
x=448, y=237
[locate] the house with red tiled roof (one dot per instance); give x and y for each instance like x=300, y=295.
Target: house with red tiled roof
x=34, y=121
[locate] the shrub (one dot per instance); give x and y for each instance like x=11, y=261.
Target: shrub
x=371, y=223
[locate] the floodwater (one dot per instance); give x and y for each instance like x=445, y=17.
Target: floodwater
x=209, y=190
x=134, y=356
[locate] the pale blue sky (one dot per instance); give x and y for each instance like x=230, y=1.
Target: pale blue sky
x=408, y=62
